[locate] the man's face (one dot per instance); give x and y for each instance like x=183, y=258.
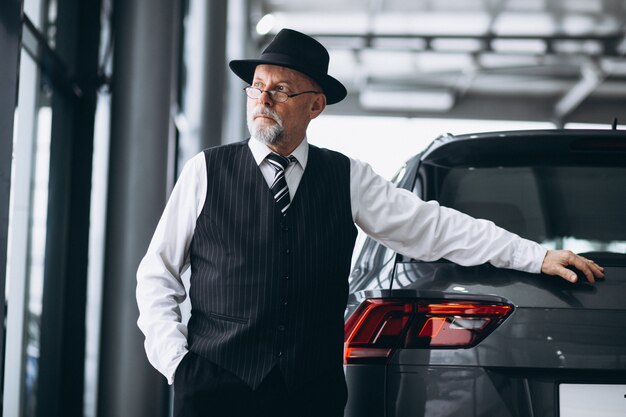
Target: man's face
x=282, y=124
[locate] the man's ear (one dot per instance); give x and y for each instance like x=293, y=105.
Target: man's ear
x=317, y=106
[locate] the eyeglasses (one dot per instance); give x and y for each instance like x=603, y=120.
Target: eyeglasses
x=276, y=96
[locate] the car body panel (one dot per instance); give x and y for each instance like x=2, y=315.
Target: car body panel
x=558, y=332
x=464, y=391
x=446, y=391
x=519, y=288
x=370, y=382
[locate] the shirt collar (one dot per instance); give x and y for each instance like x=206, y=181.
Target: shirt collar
x=260, y=151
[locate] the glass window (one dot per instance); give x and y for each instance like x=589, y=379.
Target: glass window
x=37, y=250
x=27, y=237
x=576, y=208
x=28, y=215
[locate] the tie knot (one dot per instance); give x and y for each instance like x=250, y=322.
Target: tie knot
x=280, y=162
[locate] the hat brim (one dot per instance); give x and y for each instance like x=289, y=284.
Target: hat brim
x=333, y=89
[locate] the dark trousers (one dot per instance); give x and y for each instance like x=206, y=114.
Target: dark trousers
x=203, y=389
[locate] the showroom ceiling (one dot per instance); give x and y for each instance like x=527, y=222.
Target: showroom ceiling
x=554, y=60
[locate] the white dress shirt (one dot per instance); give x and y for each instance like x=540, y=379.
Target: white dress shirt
x=394, y=217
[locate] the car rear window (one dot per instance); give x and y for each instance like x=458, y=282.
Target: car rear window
x=578, y=208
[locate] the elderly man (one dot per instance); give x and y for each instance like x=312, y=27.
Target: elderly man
x=267, y=226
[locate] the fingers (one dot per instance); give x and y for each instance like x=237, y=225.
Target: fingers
x=582, y=265
x=555, y=263
x=591, y=269
x=587, y=267
x=565, y=273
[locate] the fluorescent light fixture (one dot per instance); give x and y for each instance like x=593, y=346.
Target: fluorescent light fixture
x=321, y=23
x=588, y=47
x=578, y=24
x=584, y=6
x=399, y=43
x=530, y=46
x=380, y=63
x=495, y=61
x=435, y=62
x=426, y=100
x=517, y=23
x=431, y=23
x=266, y=24
x=457, y=45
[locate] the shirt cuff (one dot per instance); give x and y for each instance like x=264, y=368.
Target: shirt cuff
x=529, y=256
x=173, y=366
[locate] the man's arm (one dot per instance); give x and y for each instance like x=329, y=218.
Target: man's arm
x=159, y=287
x=556, y=262
x=427, y=231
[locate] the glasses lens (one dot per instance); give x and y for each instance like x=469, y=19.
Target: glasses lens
x=253, y=92
x=278, y=96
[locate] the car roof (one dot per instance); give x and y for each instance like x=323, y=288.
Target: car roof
x=561, y=147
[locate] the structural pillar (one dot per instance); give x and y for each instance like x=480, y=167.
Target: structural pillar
x=214, y=68
x=60, y=384
x=238, y=46
x=140, y=179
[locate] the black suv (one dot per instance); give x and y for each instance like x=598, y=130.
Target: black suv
x=438, y=339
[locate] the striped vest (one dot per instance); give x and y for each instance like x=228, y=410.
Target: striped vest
x=270, y=290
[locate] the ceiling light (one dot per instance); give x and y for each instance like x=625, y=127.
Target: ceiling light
x=530, y=46
x=266, y=24
x=588, y=47
x=457, y=45
x=509, y=23
x=427, y=100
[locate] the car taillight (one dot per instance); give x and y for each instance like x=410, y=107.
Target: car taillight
x=379, y=326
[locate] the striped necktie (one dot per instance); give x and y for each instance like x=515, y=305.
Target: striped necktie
x=279, y=186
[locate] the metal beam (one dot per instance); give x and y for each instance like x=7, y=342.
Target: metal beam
x=610, y=42
x=48, y=60
x=497, y=107
x=590, y=78
x=60, y=383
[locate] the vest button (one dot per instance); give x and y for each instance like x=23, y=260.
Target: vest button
x=279, y=354
x=286, y=277
x=280, y=327
x=285, y=228
x=284, y=301
x=287, y=251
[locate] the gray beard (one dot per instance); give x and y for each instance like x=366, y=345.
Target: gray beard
x=272, y=135
x=268, y=135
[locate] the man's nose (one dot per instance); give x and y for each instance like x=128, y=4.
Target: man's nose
x=265, y=98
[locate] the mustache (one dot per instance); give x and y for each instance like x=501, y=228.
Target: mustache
x=264, y=111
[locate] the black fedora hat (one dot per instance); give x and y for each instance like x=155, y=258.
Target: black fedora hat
x=297, y=51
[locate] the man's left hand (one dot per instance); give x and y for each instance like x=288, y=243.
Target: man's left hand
x=556, y=261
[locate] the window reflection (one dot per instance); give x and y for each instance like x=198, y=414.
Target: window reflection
x=555, y=206
x=37, y=251
x=28, y=229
